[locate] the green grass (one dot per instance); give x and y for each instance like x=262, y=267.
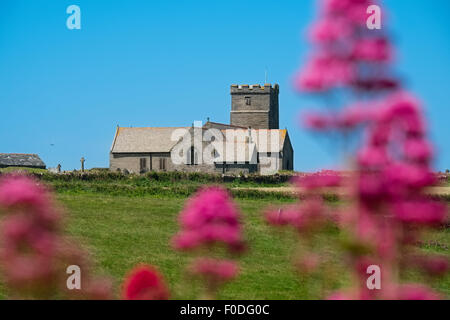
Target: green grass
x=130, y=219
x=123, y=231
x=22, y=170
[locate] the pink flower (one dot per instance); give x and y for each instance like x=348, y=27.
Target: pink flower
x=186, y=240
x=318, y=180
x=420, y=211
x=317, y=121
x=373, y=157
x=329, y=30
x=144, y=283
x=18, y=190
x=372, y=49
x=209, y=217
x=217, y=271
x=283, y=216
x=324, y=72
x=433, y=265
x=353, y=116
x=308, y=263
x=402, y=178
x=418, y=150
x=416, y=292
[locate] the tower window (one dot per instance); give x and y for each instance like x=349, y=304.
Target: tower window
x=248, y=101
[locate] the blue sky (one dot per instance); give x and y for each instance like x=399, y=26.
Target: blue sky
x=168, y=63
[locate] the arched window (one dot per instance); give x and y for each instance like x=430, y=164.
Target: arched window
x=192, y=156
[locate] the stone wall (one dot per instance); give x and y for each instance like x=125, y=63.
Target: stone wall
x=254, y=119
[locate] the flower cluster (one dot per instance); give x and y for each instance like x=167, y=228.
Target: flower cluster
x=387, y=206
x=346, y=52
x=34, y=252
x=144, y=283
x=210, y=219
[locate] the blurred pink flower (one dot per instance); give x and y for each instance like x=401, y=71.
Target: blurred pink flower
x=209, y=217
x=18, y=190
x=329, y=30
x=372, y=50
x=283, y=216
x=308, y=263
x=317, y=121
x=318, y=180
x=418, y=150
x=144, y=283
x=373, y=157
x=214, y=270
x=323, y=72
x=420, y=211
x=433, y=264
x=416, y=292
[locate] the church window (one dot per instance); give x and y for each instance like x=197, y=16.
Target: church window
x=143, y=164
x=248, y=101
x=162, y=164
x=192, y=157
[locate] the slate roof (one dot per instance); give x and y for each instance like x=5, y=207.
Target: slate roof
x=144, y=140
x=21, y=160
x=155, y=140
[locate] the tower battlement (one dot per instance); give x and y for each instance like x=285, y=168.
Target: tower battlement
x=254, y=89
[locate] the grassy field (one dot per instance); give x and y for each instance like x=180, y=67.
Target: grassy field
x=123, y=224
x=123, y=231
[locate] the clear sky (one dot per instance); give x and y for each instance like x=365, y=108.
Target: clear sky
x=169, y=63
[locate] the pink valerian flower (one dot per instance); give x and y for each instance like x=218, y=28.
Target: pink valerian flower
x=32, y=256
x=373, y=157
x=311, y=214
x=319, y=180
x=209, y=217
x=214, y=270
x=324, y=72
x=329, y=30
x=434, y=265
x=308, y=263
x=354, y=116
x=286, y=216
x=318, y=121
x=372, y=50
x=392, y=165
x=416, y=292
x=144, y=283
x=420, y=211
x=402, y=178
x=20, y=191
x=418, y=150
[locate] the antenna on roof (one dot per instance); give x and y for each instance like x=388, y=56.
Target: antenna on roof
x=265, y=75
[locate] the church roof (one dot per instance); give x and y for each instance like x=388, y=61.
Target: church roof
x=21, y=160
x=154, y=139
x=144, y=140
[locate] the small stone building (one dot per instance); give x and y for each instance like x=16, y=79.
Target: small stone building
x=21, y=160
x=251, y=143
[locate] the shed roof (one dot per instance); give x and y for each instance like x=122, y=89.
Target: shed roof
x=21, y=160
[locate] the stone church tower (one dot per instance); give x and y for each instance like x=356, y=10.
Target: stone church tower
x=255, y=106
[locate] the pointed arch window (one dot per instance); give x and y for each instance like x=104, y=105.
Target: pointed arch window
x=192, y=156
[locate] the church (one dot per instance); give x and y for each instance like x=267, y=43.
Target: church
x=251, y=143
